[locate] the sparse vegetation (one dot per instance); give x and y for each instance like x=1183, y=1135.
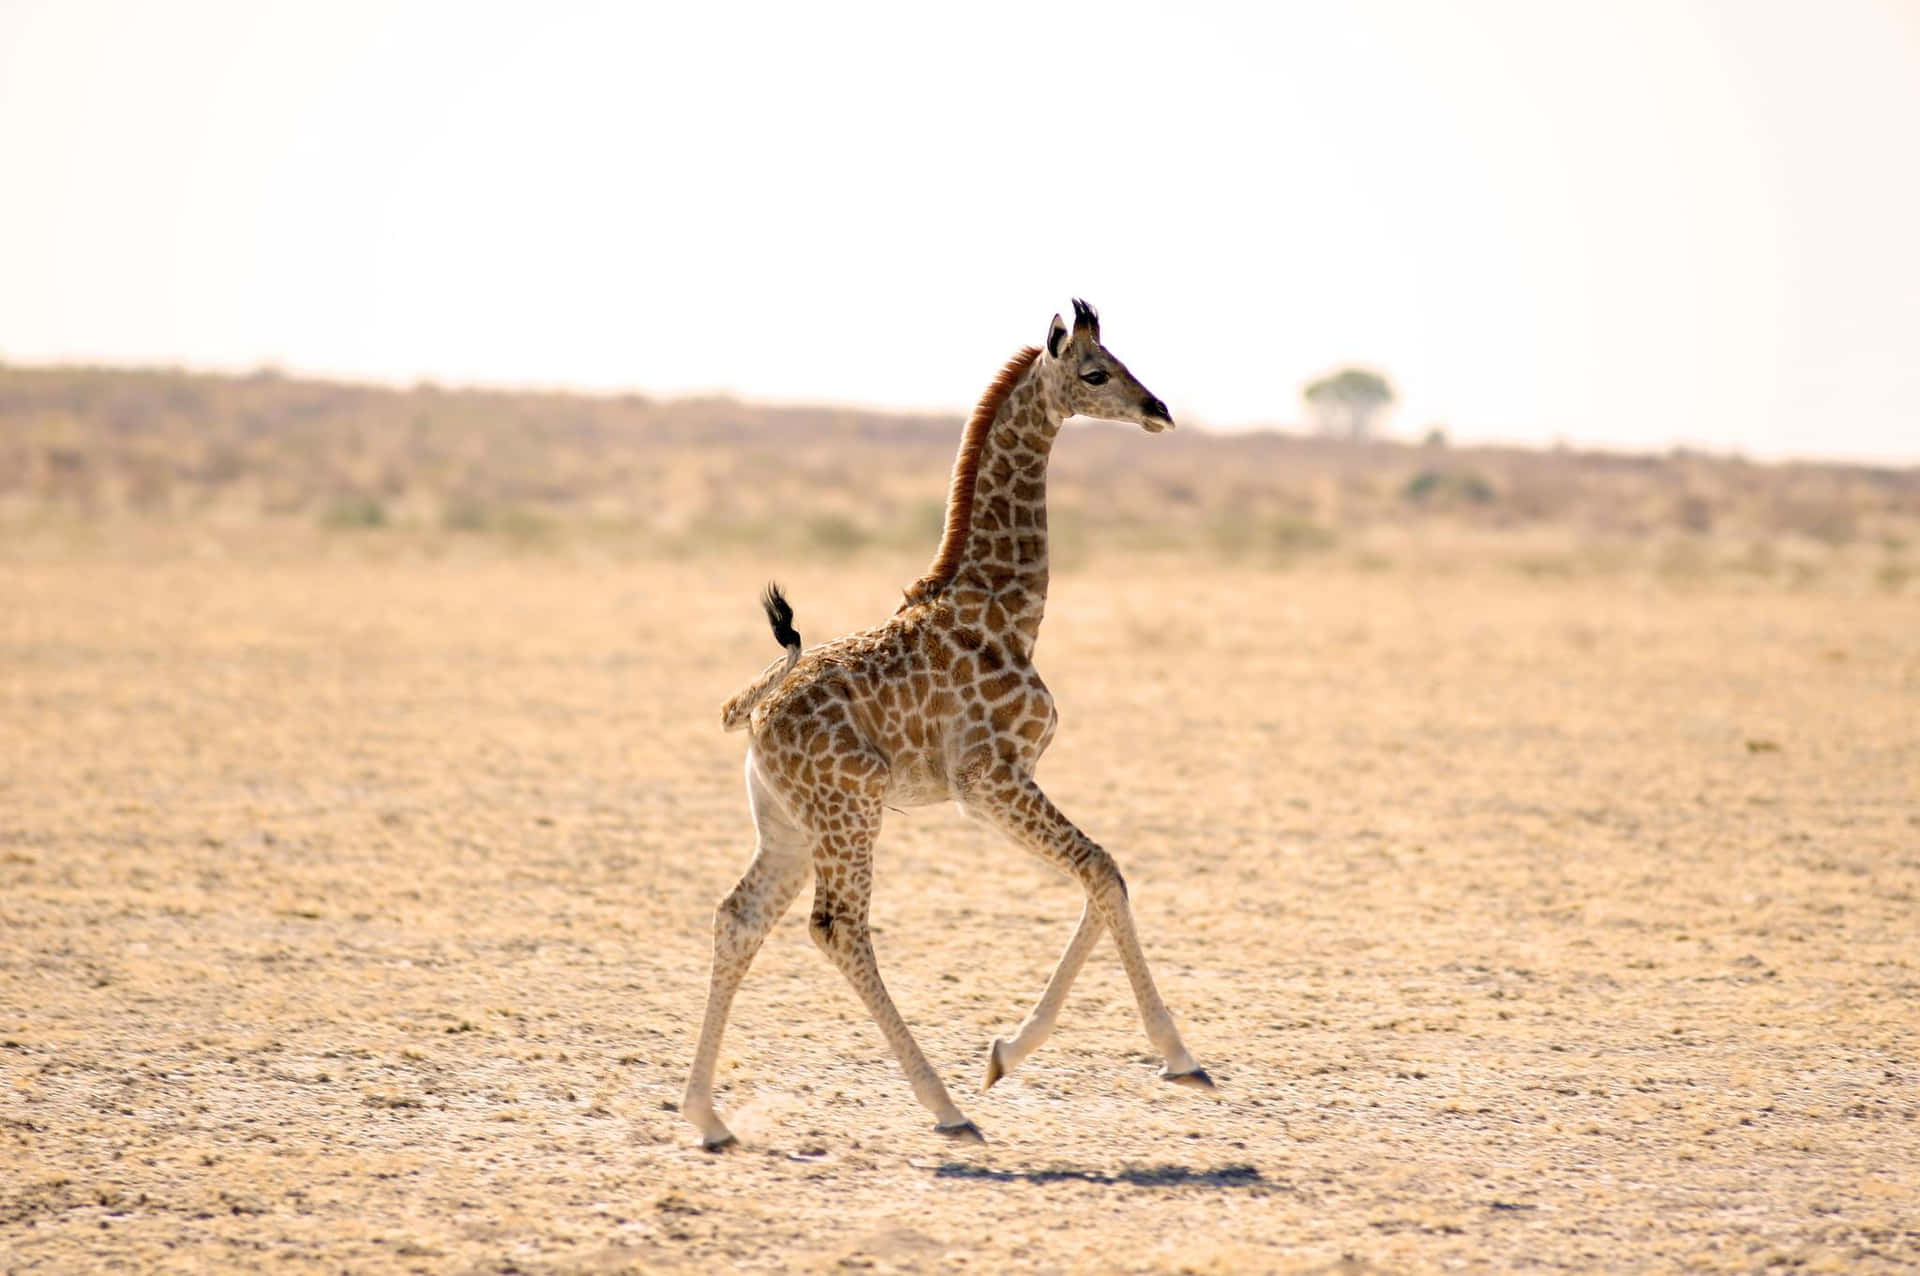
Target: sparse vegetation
x=835, y=534
x=1432, y=488
x=106, y=456
x=355, y=511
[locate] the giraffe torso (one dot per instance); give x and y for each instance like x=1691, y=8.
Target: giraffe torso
x=908, y=706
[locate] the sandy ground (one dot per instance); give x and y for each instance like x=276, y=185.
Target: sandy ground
x=353, y=916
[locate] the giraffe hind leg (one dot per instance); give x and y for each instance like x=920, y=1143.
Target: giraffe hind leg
x=1003, y=1056
x=740, y=925
x=843, y=888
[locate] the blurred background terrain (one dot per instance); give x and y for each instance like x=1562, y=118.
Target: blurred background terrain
x=154, y=460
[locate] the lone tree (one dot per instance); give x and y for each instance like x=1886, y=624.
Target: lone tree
x=1348, y=402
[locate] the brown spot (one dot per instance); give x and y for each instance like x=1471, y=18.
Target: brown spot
x=1000, y=686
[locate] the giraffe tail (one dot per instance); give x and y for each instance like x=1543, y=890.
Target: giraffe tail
x=734, y=714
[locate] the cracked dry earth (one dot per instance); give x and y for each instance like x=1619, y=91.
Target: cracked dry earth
x=354, y=915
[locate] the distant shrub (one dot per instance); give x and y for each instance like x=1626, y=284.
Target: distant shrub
x=1448, y=487
x=463, y=514
x=1422, y=486
x=524, y=527
x=354, y=512
x=1178, y=492
x=835, y=534
x=224, y=462
x=515, y=523
x=1831, y=521
x=1290, y=536
x=1694, y=513
x=1543, y=566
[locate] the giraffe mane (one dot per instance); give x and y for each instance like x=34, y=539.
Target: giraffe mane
x=966, y=474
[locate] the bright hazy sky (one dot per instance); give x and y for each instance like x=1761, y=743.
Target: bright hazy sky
x=1628, y=224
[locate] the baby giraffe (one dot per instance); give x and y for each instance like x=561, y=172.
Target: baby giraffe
x=940, y=703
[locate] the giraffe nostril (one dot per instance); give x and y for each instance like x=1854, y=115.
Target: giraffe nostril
x=1154, y=408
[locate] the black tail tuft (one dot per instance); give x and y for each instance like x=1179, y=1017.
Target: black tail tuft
x=780, y=616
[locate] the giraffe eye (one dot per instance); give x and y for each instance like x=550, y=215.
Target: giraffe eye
x=1096, y=377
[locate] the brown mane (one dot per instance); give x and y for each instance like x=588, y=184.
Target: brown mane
x=966, y=471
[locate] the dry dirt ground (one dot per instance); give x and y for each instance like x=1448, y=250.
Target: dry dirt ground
x=354, y=916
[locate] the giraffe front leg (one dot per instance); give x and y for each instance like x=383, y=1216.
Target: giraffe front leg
x=1011, y=801
x=1004, y=1056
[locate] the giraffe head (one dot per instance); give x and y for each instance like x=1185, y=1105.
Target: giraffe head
x=1084, y=375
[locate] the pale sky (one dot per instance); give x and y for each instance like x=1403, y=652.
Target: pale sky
x=1632, y=225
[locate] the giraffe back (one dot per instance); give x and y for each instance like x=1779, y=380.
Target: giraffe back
x=921, y=695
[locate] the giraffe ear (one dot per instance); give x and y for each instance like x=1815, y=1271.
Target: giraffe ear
x=1056, y=337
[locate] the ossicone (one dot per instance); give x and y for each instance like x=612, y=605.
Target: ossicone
x=1086, y=318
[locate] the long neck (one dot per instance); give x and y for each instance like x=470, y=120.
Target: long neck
x=1002, y=569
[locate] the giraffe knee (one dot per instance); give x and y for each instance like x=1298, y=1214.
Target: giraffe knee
x=732, y=922
x=820, y=927
x=744, y=917
x=737, y=908
x=1102, y=877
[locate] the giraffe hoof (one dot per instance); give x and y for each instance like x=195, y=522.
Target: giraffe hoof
x=1195, y=1080
x=995, y=1068
x=962, y=1132
x=718, y=1142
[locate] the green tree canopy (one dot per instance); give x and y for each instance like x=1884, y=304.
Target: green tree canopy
x=1347, y=403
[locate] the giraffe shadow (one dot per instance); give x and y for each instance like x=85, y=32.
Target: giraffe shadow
x=1226, y=1176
